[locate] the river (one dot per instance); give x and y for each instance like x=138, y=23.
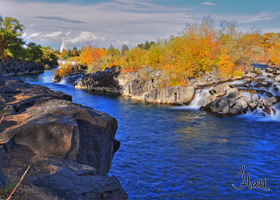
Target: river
x=172, y=152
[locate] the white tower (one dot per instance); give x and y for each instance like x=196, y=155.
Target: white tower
x=63, y=46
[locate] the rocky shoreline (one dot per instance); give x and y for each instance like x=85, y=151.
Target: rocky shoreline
x=21, y=67
x=255, y=91
x=68, y=146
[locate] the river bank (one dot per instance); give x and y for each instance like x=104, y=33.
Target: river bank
x=257, y=91
x=68, y=146
x=15, y=67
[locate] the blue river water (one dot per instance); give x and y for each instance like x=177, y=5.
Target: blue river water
x=172, y=152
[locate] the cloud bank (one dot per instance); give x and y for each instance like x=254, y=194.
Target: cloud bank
x=115, y=22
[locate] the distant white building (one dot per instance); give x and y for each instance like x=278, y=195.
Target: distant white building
x=63, y=46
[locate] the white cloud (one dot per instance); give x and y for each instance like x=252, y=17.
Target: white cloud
x=31, y=25
x=84, y=37
x=127, y=21
x=68, y=33
x=208, y=4
x=33, y=35
x=136, y=21
x=56, y=34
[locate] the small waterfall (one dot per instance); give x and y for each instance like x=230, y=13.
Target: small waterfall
x=62, y=81
x=259, y=115
x=200, y=98
x=71, y=80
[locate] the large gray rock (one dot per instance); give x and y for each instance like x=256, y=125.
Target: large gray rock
x=172, y=95
x=233, y=103
x=53, y=126
x=269, y=101
x=103, y=81
x=77, y=141
x=73, y=181
x=277, y=78
x=221, y=89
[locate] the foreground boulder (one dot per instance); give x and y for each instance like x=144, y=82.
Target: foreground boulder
x=51, y=126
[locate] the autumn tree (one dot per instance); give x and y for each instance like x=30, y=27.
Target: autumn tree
x=124, y=50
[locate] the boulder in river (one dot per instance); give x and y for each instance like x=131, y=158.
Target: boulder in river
x=277, y=78
x=103, y=81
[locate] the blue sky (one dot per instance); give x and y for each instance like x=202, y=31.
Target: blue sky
x=117, y=22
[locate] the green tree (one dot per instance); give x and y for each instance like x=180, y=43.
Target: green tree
x=11, y=31
x=34, y=52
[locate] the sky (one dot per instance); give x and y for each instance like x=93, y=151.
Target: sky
x=130, y=22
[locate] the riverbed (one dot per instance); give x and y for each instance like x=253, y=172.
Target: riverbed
x=171, y=152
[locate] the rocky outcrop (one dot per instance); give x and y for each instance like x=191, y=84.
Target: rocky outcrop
x=228, y=99
x=20, y=67
x=51, y=126
x=103, y=81
x=222, y=97
x=72, y=73
x=144, y=85
x=146, y=91
x=277, y=78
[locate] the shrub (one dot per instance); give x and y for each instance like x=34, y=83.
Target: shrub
x=237, y=73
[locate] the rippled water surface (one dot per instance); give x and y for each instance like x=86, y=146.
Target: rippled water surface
x=177, y=153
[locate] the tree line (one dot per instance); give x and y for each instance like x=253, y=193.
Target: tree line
x=200, y=48
x=13, y=46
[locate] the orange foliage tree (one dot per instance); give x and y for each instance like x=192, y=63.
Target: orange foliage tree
x=200, y=48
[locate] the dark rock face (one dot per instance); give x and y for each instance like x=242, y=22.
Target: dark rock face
x=2, y=176
x=71, y=181
x=51, y=125
x=19, y=67
x=103, y=81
